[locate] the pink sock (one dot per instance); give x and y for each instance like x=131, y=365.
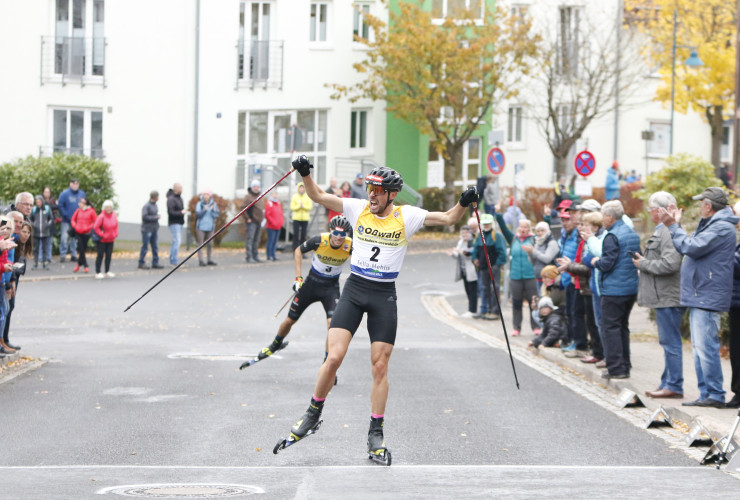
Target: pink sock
x=318, y=399
x=374, y=415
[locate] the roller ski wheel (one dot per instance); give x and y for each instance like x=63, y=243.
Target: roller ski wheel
x=293, y=439
x=264, y=354
x=380, y=456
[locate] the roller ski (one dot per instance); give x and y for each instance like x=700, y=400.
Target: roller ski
x=307, y=425
x=376, y=449
x=265, y=353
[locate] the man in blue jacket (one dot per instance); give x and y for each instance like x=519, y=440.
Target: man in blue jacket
x=706, y=285
x=618, y=286
x=68, y=203
x=575, y=308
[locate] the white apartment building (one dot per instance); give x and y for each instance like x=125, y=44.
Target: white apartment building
x=616, y=136
x=209, y=93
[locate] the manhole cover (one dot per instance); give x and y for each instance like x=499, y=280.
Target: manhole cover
x=183, y=490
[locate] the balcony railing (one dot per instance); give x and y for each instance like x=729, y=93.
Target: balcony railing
x=89, y=152
x=67, y=59
x=259, y=63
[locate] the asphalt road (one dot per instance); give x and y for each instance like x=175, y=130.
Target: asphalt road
x=154, y=396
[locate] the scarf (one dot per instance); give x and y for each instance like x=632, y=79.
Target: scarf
x=541, y=240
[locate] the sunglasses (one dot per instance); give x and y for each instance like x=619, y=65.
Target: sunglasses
x=378, y=190
x=341, y=234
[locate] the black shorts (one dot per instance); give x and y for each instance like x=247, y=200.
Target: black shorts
x=376, y=299
x=315, y=290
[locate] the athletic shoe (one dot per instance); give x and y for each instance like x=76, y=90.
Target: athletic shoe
x=86, y=270
x=110, y=275
x=491, y=316
x=99, y=276
x=537, y=331
x=515, y=333
x=569, y=347
x=467, y=314
x=601, y=364
x=77, y=268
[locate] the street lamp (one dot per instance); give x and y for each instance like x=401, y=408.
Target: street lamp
x=693, y=61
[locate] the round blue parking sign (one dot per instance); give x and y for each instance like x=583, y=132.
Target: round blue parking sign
x=585, y=163
x=495, y=161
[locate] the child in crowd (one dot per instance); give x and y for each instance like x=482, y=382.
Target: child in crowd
x=554, y=329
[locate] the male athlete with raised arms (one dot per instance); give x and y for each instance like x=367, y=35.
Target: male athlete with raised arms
x=380, y=240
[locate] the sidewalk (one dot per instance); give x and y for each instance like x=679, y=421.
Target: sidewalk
x=647, y=367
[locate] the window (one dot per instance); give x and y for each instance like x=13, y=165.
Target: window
x=455, y=8
x=360, y=28
x=724, y=149
x=79, y=38
x=520, y=11
x=514, y=130
x=358, y=129
x=471, y=161
x=318, y=22
x=568, y=41
x=254, y=40
x=77, y=131
x=282, y=135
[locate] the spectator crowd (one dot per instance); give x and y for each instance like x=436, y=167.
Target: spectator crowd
x=579, y=285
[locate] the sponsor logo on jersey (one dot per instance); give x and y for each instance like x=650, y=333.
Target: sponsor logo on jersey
x=367, y=231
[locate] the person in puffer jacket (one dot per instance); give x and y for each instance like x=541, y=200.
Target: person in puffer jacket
x=83, y=221
x=206, y=213
x=106, y=229
x=554, y=329
x=42, y=220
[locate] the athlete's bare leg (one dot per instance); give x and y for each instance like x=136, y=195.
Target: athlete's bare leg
x=338, y=342
x=328, y=326
x=380, y=353
x=285, y=326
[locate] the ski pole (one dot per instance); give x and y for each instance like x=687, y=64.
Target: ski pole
x=209, y=239
x=495, y=292
x=286, y=303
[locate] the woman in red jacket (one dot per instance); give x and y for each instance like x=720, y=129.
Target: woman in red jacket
x=106, y=229
x=274, y=220
x=83, y=221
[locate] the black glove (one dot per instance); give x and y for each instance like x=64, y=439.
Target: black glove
x=469, y=196
x=302, y=165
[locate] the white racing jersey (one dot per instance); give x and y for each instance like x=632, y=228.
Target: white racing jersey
x=379, y=243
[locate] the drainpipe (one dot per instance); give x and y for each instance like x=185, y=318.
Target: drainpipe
x=616, y=86
x=197, y=88
x=195, y=116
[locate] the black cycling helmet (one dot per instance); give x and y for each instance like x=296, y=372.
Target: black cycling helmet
x=386, y=177
x=340, y=222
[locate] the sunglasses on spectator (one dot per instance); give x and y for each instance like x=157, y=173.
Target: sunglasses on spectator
x=341, y=234
x=378, y=190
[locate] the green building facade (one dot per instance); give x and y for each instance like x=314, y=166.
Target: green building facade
x=407, y=150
